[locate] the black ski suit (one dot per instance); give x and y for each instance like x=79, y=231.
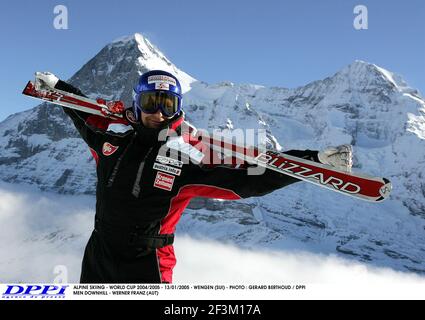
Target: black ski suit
x=141, y=195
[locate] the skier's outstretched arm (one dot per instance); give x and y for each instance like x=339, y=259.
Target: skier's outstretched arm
x=90, y=127
x=240, y=182
x=236, y=180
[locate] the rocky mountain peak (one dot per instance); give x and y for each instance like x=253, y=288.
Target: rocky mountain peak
x=361, y=74
x=113, y=72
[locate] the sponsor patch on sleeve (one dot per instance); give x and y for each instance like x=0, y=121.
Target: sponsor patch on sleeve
x=164, y=181
x=108, y=149
x=130, y=116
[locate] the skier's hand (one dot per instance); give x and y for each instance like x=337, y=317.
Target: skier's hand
x=340, y=157
x=45, y=80
x=111, y=107
x=116, y=107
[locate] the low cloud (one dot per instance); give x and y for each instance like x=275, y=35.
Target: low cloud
x=43, y=230
x=212, y=262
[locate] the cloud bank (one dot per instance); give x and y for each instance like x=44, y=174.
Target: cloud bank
x=41, y=231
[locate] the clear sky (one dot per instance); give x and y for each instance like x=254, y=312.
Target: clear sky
x=268, y=42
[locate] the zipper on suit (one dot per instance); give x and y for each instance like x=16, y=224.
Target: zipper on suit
x=111, y=178
x=136, y=186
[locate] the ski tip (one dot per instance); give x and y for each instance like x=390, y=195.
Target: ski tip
x=29, y=89
x=385, y=190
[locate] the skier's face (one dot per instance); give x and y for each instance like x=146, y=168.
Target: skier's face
x=157, y=119
x=154, y=120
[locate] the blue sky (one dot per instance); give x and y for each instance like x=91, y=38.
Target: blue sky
x=268, y=42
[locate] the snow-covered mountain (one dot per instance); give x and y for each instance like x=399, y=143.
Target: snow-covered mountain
x=362, y=104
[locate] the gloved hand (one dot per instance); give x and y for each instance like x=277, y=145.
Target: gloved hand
x=340, y=157
x=112, y=107
x=45, y=80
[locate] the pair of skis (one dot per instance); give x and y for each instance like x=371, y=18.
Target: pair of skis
x=359, y=186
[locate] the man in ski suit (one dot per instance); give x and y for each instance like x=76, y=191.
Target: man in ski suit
x=141, y=192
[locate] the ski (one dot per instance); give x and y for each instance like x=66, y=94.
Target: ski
x=72, y=101
x=359, y=186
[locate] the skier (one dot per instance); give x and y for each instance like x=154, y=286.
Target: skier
x=141, y=193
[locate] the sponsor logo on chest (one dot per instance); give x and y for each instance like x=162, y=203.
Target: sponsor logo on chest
x=164, y=181
x=169, y=161
x=167, y=169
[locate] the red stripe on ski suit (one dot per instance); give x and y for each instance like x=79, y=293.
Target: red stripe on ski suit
x=166, y=256
x=95, y=155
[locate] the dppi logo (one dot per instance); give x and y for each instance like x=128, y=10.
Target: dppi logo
x=34, y=291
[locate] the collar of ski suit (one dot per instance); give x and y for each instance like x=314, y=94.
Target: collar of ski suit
x=175, y=124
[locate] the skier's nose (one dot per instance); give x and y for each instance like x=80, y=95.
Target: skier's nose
x=158, y=115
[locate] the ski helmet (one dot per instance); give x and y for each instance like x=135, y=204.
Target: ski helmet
x=157, y=90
